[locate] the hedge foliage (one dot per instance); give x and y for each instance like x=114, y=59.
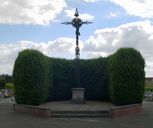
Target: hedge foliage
x=38, y=78
x=63, y=79
x=127, y=77
x=31, y=79
x=93, y=77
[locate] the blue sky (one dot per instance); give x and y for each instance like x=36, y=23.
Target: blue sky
x=37, y=24
x=37, y=32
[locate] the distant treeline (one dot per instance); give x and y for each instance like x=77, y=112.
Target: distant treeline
x=8, y=78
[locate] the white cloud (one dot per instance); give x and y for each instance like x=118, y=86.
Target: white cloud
x=103, y=43
x=30, y=12
x=137, y=35
x=91, y=1
x=83, y=16
x=113, y=14
x=141, y=8
x=149, y=68
x=96, y=54
x=62, y=47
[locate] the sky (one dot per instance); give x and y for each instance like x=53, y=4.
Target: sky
x=36, y=24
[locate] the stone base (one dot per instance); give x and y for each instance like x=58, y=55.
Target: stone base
x=78, y=96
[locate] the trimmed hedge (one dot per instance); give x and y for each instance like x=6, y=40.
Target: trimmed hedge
x=63, y=79
x=127, y=77
x=31, y=79
x=38, y=78
x=94, y=78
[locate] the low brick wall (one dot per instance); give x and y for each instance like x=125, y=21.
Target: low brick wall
x=125, y=110
x=33, y=110
x=115, y=112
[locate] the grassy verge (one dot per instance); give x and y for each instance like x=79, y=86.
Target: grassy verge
x=149, y=86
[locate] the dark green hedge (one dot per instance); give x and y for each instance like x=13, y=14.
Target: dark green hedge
x=31, y=79
x=63, y=79
x=38, y=78
x=127, y=77
x=93, y=77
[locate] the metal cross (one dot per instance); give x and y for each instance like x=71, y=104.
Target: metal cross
x=77, y=23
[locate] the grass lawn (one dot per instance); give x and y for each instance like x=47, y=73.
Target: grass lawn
x=148, y=86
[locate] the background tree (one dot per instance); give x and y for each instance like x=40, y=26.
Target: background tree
x=7, y=77
x=2, y=82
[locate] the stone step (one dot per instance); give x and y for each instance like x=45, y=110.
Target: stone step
x=80, y=116
x=80, y=112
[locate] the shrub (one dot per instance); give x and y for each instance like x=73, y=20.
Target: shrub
x=31, y=78
x=9, y=86
x=2, y=82
x=127, y=77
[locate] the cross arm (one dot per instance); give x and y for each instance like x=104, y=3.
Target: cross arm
x=66, y=23
x=87, y=22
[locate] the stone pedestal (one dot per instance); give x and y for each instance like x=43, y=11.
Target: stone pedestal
x=78, y=96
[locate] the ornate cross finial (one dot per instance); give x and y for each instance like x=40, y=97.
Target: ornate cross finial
x=77, y=23
x=76, y=13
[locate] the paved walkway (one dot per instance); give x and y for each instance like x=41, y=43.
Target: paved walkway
x=10, y=119
x=6, y=100
x=89, y=106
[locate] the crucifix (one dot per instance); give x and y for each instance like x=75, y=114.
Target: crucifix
x=78, y=92
x=77, y=23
